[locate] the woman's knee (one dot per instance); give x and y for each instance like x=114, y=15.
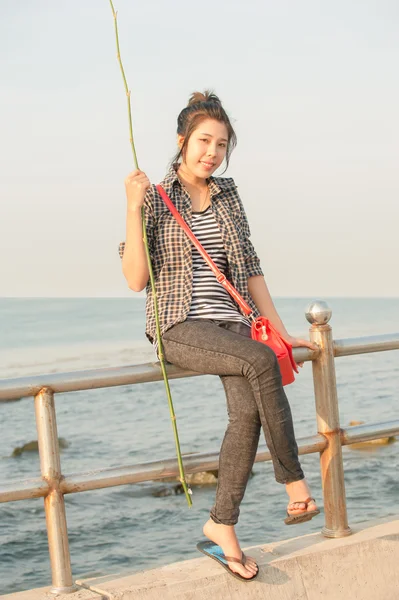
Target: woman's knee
x=264, y=360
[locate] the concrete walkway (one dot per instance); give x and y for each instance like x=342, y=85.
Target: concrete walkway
x=363, y=566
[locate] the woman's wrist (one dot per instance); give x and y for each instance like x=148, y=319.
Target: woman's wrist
x=135, y=210
x=279, y=325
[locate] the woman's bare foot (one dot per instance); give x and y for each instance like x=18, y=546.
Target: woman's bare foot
x=299, y=490
x=225, y=537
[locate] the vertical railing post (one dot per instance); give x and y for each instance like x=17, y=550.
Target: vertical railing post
x=325, y=389
x=54, y=505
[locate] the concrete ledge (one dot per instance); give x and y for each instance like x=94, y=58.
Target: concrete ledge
x=363, y=566
x=45, y=594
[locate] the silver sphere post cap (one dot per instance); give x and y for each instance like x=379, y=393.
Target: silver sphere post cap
x=318, y=313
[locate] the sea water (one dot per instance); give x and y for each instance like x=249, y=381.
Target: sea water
x=129, y=528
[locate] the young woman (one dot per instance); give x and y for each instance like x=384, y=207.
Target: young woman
x=202, y=328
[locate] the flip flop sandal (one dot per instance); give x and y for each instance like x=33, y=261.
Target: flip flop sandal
x=303, y=516
x=215, y=552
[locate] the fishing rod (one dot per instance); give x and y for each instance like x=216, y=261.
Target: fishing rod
x=182, y=478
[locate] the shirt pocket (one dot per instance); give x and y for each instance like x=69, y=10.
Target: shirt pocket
x=171, y=240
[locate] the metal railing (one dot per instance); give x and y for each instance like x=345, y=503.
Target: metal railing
x=53, y=485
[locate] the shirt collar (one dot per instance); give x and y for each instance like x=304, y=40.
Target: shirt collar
x=216, y=185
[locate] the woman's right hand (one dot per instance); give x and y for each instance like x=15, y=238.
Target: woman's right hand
x=136, y=185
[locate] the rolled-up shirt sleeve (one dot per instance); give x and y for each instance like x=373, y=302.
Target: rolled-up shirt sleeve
x=149, y=221
x=251, y=258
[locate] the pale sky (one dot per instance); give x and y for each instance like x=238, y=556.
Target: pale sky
x=312, y=89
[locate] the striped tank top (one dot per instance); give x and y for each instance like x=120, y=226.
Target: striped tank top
x=210, y=300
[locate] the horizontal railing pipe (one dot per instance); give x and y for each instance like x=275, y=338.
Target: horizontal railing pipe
x=139, y=473
x=24, y=387
x=76, y=381
x=194, y=463
x=364, y=345
x=23, y=490
x=368, y=432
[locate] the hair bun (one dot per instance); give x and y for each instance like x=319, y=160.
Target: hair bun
x=207, y=96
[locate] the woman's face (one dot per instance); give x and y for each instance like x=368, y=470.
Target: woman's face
x=206, y=148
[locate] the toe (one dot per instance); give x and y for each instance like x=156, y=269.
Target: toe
x=251, y=569
x=295, y=507
x=246, y=571
x=249, y=561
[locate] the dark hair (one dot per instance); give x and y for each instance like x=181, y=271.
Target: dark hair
x=201, y=107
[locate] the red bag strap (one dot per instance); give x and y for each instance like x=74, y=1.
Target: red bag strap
x=218, y=274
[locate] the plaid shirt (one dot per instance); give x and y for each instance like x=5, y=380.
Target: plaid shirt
x=171, y=250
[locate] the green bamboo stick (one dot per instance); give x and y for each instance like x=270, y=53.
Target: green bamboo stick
x=187, y=490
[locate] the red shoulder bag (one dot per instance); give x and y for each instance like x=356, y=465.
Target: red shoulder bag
x=261, y=329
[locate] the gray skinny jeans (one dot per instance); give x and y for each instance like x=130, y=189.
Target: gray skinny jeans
x=255, y=398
